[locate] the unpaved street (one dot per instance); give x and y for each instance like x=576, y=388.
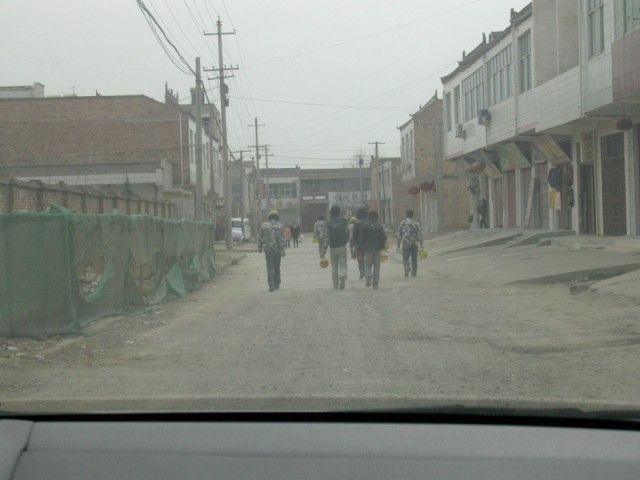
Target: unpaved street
x=233, y=345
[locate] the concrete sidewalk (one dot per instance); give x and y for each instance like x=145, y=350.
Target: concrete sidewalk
x=493, y=260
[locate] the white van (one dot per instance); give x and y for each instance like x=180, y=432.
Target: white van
x=236, y=229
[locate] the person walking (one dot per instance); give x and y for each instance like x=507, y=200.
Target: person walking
x=409, y=237
x=295, y=233
x=371, y=240
x=320, y=234
x=287, y=236
x=271, y=241
x=337, y=236
x=483, y=213
x=361, y=217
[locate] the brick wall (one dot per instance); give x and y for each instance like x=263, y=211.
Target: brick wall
x=402, y=199
x=16, y=196
x=454, y=207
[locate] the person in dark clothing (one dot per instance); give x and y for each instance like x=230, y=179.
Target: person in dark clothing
x=361, y=217
x=483, y=213
x=271, y=241
x=371, y=240
x=295, y=233
x=337, y=237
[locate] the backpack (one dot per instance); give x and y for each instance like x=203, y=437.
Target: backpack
x=337, y=230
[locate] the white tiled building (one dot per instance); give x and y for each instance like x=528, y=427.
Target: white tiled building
x=548, y=111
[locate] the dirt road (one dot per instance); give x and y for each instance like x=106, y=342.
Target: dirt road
x=233, y=345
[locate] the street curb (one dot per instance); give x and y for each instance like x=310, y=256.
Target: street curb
x=592, y=274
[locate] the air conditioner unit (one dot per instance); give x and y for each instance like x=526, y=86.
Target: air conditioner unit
x=460, y=133
x=484, y=117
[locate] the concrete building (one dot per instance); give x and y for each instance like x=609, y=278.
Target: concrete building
x=212, y=124
x=438, y=187
x=321, y=188
x=389, y=196
x=544, y=115
x=280, y=190
x=132, y=143
x=22, y=91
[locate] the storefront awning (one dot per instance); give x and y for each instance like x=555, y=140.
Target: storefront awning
x=511, y=157
x=550, y=149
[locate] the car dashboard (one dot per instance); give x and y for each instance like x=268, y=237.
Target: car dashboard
x=103, y=448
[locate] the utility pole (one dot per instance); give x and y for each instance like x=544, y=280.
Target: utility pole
x=360, y=164
x=381, y=194
x=198, y=151
x=242, y=176
x=376, y=145
x=256, y=186
x=224, y=102
x=266, y=156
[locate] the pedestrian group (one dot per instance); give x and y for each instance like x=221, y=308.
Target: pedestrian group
x=362, y=237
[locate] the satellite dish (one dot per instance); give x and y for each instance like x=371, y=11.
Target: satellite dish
x=624, y=123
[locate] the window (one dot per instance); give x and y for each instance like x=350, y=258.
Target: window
x=499, y=76
x=447, y=111
x=631, y=14
x=596, y=26
x=473, y=94
x=283, y=190
x=456, y=105
x=524, y=61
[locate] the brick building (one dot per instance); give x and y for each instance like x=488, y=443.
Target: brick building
x=389, y=196
x=130, y=143
x=439, y=186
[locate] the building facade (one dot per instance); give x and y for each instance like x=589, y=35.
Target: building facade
x=22, y=91
x=544, y=116
x=349, y=188
x=389, y=195
x=438, y=187
x=129, y=143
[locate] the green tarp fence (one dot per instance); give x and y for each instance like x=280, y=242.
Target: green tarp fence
x=59, y=271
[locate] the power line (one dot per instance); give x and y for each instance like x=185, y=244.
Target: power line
x=206, y=6
x=151, y=20
x=180, y=27
x=311, y=158
x=330, y=105
x=363, y=37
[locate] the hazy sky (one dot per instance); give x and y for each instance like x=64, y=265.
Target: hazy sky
x=288, y=50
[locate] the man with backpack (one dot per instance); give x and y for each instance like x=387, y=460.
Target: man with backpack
x=372, y=240
x=337, y=236
x=409, y=237
x=271, y=241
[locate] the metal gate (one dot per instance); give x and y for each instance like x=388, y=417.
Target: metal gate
x=310, y=214
x=614, y=208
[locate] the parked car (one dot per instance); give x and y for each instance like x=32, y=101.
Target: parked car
x=236, y=230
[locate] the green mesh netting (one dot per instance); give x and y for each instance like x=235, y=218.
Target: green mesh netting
x=59, y=271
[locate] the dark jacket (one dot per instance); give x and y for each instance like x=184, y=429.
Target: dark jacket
x=337, y=232
x=357, y=228
x=371, y=237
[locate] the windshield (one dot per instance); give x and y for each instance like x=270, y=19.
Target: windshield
x=209, y=205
